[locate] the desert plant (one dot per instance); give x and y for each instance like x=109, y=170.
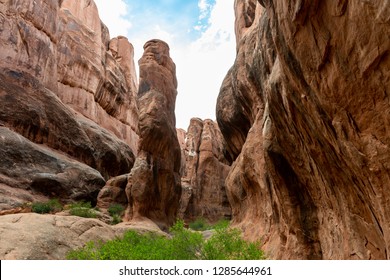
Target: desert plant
x=227, y=244
x=116, y=219
x=82, y=209
x=183, y=245
x=53, y=205
x=200, y=224
x=224, y=223
x=115, y=209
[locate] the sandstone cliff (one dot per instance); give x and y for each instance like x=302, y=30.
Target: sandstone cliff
x=305, y=112
x=67, y=95
x=203, y=173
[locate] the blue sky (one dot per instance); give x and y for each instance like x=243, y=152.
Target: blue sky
x=186, y=19
x=201, y=37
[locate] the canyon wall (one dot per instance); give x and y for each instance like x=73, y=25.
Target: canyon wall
x=68, y=114
x=305, y=113
x=203, y=173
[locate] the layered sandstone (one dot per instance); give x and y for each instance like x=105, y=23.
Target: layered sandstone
x=204, y=173
x=96, y=75
x=68, y=88
x=153, y=189
x=305, y=112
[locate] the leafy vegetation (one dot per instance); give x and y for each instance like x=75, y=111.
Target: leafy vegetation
x=116, y=210
x=82, y=209
x=184, y=245
x=201, y=224
x=50, y=206
x=227, y=244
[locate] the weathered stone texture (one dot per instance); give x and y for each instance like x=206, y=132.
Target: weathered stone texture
x=305, y=113
x=204, y=173
x=33, y=236
x=153, y=188
x=65, y=86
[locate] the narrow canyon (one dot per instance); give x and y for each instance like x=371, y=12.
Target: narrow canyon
x=298, y=156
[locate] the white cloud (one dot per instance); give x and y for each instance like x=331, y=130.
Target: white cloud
x=114, y=14
x=204, y=7
x=201, y=65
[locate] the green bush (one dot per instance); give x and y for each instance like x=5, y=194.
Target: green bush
x=199, y=224
x=115, y=209
x=184, y=245
x=82, y=209
x=116, y=219
x=227, y=244
x=50, y=206
x=224, y=223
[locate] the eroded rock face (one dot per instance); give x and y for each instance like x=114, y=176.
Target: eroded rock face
x=36, y=169
x=113, y=193
x=65, y=86
x=305, y=114
x=96, y=75
x=204, y=173
x=48, y=237
x=33, y=236
x=153, y=188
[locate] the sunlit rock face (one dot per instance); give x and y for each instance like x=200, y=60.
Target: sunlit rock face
x=204, y=173
x=153, y=189
x=67, y=99
x=305, y=113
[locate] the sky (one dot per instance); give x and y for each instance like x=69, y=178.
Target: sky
x=201, y=37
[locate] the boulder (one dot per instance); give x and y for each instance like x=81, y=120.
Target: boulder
x=50, y=237
x=39, y=172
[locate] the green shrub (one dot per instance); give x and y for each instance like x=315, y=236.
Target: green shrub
x=184, y=245
x=82, y=209
x=116, y=219
x=115, y=209
x=50, y=206
x=40, y=207
x=224, y=223
x=199, y=224
x=227, y=244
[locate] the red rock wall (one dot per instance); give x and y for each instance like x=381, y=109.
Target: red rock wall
x=305, y=112
x=65, y=86
x=204, y=173
x=153, y=189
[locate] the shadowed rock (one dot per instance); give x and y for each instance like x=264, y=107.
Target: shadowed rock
x=204, y=173
x=304, y=111
x=153, y=188
x=65, y=86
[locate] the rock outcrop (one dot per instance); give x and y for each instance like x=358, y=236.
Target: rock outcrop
x=153, y=189
x=96, y=75
x=204, y=173
x=50, y=237
x=305, y=113
x=68, y=88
